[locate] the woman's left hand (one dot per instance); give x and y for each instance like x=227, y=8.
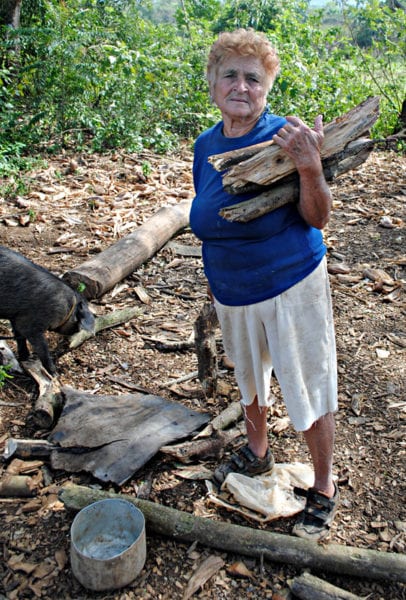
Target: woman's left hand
x=301, y=143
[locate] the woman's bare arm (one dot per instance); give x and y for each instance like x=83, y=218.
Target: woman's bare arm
x=303, y=145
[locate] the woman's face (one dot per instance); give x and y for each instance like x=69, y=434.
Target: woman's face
x=240, y=87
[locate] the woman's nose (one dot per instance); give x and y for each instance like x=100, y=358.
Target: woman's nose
x=241, y=84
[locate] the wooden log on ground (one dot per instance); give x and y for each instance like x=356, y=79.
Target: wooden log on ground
x=19, y=486
x=309, y=587
x=102, y=272
x=271, y=163
x=228, y=537
x=26, y=448
x=104, y=322
x=49, y=400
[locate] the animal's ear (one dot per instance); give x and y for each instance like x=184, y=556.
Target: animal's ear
x=85, y=317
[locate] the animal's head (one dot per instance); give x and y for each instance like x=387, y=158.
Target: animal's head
x=77, y=319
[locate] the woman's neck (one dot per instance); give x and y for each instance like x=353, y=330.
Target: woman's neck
x=238, y=127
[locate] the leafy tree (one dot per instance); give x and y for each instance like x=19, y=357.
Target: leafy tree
x=10, y=13
x=258, y=14
x=101, y=74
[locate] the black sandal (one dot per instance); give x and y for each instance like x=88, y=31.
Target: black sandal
x=318, y=514
x=245, y=462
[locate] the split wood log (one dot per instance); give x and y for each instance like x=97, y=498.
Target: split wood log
x=18, y=486
x=271, y=163
x=49, y=401
x=309, y=587
x=229, y=415
x=104, y=322
x=27, y=448
x=288, y=189
x=115, y=263
x=227, y=537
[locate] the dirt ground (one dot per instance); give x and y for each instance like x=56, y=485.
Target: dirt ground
x=75, y=207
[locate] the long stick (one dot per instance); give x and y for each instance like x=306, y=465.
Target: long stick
x=227, y=537
x=309, y=587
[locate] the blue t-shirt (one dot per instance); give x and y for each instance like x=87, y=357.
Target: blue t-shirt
x=248, y=262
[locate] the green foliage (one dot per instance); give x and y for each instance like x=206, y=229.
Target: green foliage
x=4, y=374
x=257, y=14
x=102, y=74
x=81, y=287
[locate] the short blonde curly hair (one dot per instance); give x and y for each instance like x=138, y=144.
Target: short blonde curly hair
x=243, y=42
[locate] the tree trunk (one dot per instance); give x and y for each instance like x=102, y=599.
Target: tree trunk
x=112, y=265
x=227, y=537
x=10, y=13
x=205, y=343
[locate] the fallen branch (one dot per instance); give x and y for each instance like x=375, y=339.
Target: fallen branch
x=182, y=379
x=309, y=587
x=169, y=345
x=104, y=322
x=200, y=449
x=227, y=537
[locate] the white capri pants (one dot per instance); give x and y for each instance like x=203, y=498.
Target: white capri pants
x=293, y=335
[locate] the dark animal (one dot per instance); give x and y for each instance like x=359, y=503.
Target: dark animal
x=34, y=301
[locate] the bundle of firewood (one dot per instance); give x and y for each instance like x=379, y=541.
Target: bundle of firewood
x=265, y=167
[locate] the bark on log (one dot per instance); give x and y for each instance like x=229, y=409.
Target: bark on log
x=309, y=587
x=104, y=322
x=271, y=163
x=228, y=537
x=49, y=400
x=115, y=263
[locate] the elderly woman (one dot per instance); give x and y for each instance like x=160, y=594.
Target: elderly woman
x=268, y=277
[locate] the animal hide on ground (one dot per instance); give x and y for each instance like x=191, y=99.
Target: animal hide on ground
x=112, y=437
